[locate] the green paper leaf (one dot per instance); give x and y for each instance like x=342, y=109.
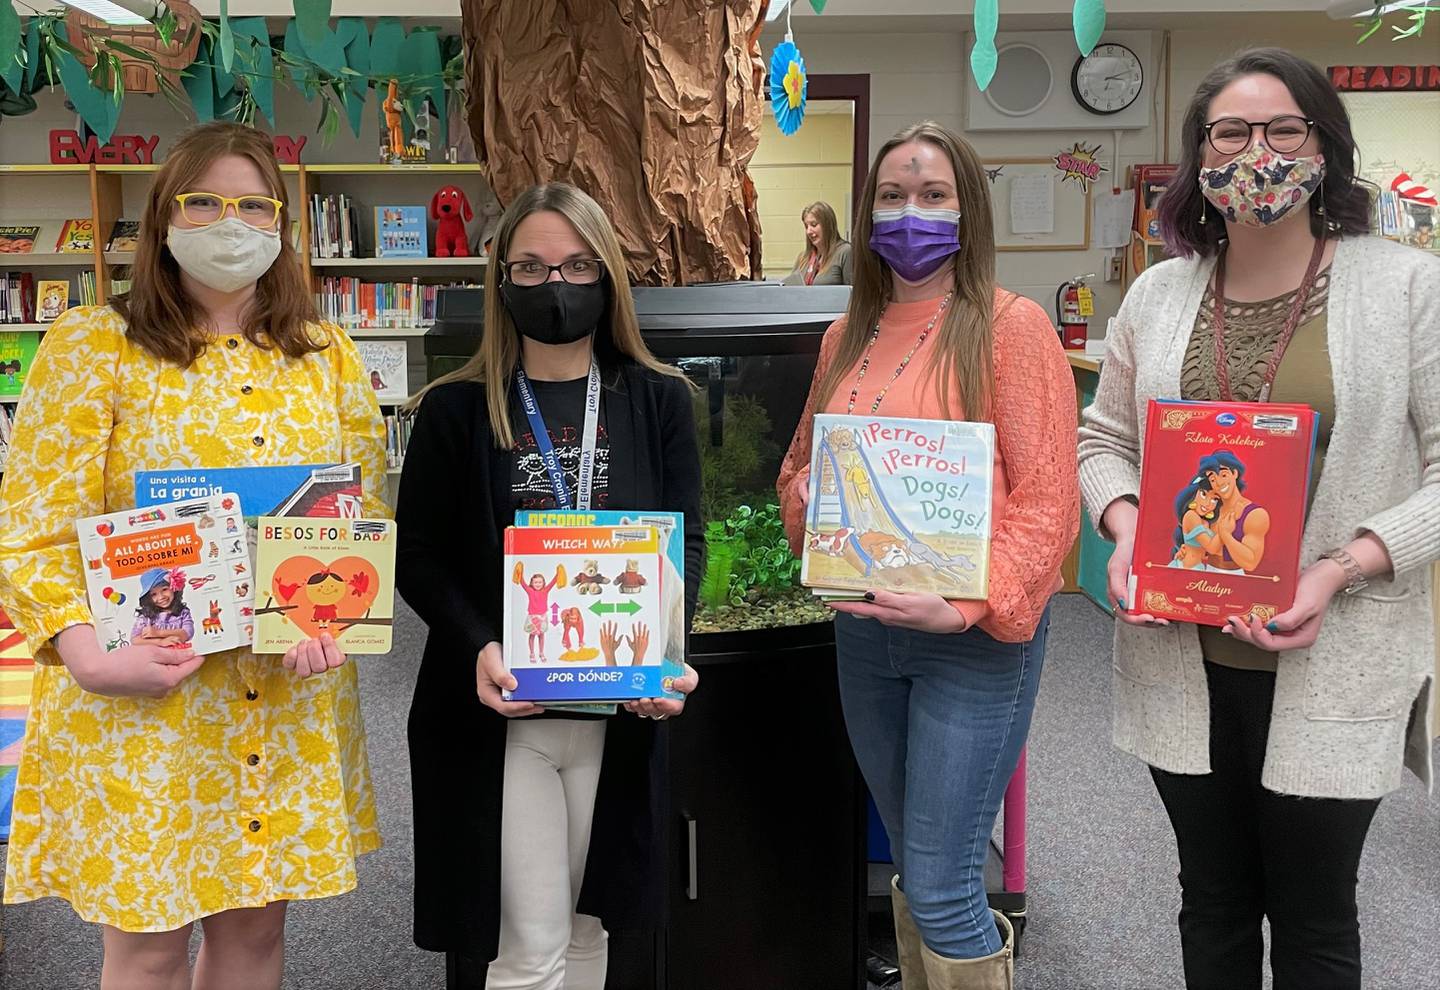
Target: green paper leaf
x=227, y=107
x=304, y=75
x=257, y=62
x=984, y=57
x=818, y=5
x=227, y=42
x=199, y=83
x=29, y=81
x=9, y=40
x=357, y=60
x=420, y=60
x=1088, y=19
x=385, y=43
x=13, y=71
x=313, y=19
x=100, y=110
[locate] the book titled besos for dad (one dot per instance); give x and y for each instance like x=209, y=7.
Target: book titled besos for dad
x=172, y=575
x=333, y=576
x=1223, y=496
x=899, y=504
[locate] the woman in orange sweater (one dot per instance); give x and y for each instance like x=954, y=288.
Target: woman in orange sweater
x=938, y=694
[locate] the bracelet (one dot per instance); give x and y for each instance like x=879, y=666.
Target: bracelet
x=1355, y=578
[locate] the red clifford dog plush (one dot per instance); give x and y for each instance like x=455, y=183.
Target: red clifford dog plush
x=450, y=207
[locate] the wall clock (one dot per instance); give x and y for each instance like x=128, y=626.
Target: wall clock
x=1108, y=80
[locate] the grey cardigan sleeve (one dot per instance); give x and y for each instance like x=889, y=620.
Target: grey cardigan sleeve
x=1109, y=447
x=845, y=258
x=1411, y=530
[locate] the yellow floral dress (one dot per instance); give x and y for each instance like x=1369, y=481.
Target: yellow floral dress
x=246, y=784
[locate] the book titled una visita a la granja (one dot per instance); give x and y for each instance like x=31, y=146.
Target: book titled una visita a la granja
x=1223, y=494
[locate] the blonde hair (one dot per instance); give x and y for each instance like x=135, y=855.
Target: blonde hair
x=830, y=237
x=498, y=356
x=964, y=338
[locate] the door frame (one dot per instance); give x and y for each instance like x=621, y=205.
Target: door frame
x=854, y=87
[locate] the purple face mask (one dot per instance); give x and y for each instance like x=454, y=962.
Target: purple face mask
x=915, y=242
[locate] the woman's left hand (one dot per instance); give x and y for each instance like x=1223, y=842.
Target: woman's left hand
x=314, y=656
x=658, y=708
x=924, y=611
x=1299, y=627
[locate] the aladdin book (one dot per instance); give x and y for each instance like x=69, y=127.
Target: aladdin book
x=173, y=575
x=899, y=504
x=585, y=616
x=333, y=576
x=1223, y=497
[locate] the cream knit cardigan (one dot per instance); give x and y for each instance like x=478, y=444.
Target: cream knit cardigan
x=1354, y=708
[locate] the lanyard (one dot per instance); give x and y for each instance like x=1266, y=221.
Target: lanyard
x=547, y=449
x=1292, y=322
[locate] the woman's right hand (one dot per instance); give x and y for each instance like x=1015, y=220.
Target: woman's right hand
x=491, y=678
x=1119, y=521
x=140, y=670
x=800, y=488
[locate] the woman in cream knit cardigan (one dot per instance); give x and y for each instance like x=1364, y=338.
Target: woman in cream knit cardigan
x=1331, y=699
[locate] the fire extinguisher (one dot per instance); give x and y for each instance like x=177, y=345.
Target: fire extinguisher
x=1074, y=305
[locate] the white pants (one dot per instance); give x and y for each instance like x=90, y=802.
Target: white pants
x=552, y=769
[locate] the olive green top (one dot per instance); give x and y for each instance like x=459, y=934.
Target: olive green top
x=1251, y=332
x=839, y=270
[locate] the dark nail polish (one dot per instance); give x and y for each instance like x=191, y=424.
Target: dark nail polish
x=1272, y=627
x=1120, y=602
x=869, y=596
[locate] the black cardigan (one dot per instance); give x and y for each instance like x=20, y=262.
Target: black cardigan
x=453, y=508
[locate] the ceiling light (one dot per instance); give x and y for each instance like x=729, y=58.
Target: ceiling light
x=105, y=10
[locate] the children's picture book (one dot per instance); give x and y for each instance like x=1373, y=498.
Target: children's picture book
x=1150, y=182
x=171, y=575
x=400, y=232
x=325, y=576
x=899, y=504
x=18, y=239
x=76, y=237
x=124, y=235
x=316, y=490
x=387, y=365
x=670, y=530
x=1223, y=496
x=17, y=355
x=52, y=297
x=586, y=616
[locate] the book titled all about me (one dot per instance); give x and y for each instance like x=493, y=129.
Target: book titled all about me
x=1223, y=496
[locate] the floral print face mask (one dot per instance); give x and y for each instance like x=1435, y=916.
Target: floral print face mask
x=1261, y=187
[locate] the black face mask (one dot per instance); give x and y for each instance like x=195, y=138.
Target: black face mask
x=555, y=312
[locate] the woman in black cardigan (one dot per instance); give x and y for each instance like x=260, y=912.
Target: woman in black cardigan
x=514, y=883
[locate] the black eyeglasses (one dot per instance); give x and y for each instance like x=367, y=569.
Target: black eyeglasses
x=579, y=271
x=1285, y=134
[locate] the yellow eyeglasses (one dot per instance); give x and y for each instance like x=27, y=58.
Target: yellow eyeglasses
x=203, y=208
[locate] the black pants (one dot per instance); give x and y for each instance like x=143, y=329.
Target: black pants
x=1248, y=853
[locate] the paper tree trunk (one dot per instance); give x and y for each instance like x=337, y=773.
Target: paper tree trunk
x=652, y=107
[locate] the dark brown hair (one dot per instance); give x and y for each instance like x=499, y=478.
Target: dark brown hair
x=964, y=338
x=1340, y=207
x=165, y=321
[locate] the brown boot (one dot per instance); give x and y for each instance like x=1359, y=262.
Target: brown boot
x=993, y=972
x=907, y=941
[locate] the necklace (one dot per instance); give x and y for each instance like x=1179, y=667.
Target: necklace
x=865, y=364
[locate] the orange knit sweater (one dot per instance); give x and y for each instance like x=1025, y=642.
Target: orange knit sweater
x=1036, y=500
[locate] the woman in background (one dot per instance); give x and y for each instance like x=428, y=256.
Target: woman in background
x=826, y=258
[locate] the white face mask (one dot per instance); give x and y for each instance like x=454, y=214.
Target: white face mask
x=227, y=255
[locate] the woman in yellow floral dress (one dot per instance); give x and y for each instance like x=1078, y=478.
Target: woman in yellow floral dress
x=157, y=787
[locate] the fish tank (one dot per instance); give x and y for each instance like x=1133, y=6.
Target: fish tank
x=750, y=349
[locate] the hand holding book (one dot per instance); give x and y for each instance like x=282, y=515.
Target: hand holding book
x=919, y=610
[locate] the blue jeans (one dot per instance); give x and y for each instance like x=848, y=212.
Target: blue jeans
x=937, y=723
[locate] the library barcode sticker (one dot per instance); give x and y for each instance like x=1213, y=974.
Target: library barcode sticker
x=632, y=535
x=1274, y=423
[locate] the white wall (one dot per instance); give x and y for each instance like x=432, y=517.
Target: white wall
x=924, y=76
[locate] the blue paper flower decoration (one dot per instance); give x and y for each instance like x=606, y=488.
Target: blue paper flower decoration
x=787, y=86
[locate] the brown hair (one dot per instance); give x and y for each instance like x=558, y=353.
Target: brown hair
x=964, y=338
x=164, y=320
x=830, y=237
x=618, y=334
x=1342, y=205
